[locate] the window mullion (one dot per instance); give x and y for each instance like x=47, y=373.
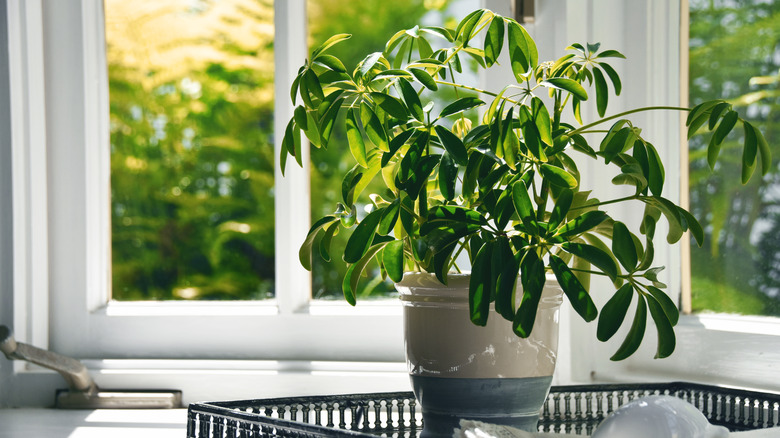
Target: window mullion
x=292, y=192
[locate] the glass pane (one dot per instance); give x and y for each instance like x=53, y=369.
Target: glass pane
x=371, y=23
x=735, y=55
x=191, y=96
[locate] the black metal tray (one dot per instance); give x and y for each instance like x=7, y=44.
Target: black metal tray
x=568, y=409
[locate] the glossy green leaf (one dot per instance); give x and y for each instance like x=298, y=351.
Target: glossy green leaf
x=305, y=251
x=577, y=294
x=466, y=26
x=361, y=238
x=666, y=337
x=542, y=120
x=308, y=125
x=391, y=105
x=561, y=208
x=581, y=224
x=635, y=334
x=389, y=217
x=657, y=175
x=594, y=256
x=614, y=312
x=532, y=277
x=763, y=149
x=693, y=225
x=374, y=128
x=666, y=303
x=623, y=246
x=717, y=112
x=328, y=120
x=480, y=285
x=602, y=93
x=355, y=139
x=419, y=177
x=424, y=78
x=523, y=54
x=452, y=144
x=460, y=105
x=725, y=126
x=330, y=42
x=327, y=238
x=448, y=175
x=557, y=176
x=567, y=84
x=494, y=40
x=292, y=136
x=749, y=153
x=355, y=271
x=412, y=99
x=613, y=76
x=523, y=206
x=313, y=84
x=672, y=214
x=395, y=145
x=393, y=260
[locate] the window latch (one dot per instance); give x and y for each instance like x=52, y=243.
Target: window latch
x=82, y=392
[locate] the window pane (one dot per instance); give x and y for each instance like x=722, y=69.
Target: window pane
x=191, y=97
x=371, y=23
x=735, y=55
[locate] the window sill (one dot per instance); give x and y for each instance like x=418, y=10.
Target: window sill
x=117, y=423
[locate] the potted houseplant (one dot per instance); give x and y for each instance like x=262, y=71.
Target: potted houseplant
x=501, y=187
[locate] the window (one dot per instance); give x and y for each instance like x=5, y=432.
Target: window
x=734, y=55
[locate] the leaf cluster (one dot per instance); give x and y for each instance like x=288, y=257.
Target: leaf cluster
x=504, y=187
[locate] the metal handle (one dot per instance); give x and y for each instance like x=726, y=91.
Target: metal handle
x=74, y=372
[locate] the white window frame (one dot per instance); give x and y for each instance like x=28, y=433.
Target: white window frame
x=60, y=231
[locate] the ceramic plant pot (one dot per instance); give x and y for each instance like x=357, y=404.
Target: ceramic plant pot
x=463, y=371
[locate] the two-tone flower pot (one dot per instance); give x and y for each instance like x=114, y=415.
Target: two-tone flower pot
x=462, y=371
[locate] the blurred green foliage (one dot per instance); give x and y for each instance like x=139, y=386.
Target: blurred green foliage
x=734, y=47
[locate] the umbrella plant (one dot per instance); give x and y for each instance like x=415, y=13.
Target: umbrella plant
x=493, y=175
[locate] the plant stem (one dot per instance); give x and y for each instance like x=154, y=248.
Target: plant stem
x=625, y=113
x=613, y=201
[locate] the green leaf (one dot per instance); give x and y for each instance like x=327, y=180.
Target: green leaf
x=532, y=278
x=635, y=334
x=355, y=139
x=614, y=312
x=594, y=256
x=389, y=218
x=717, y=112
x=460, y=105
x=368, y=63
x=522, y=50
x=393, y=260
x=725, y=126
x=673, y=216
x=466, y=26
x=361, y=238
x=448, y=175
x=763, y=149
x=330, y=42
x=424, y=78
x=355, y=271
x=395, y=145
x=412, y=99
x=374, y=128
x=480, y=285
x=611, y=54
x=693, y=225
x=567, y=84
x=623, y=246
x=581, y=224
x=452, y=144
x=542, y=120
x=669, y=308
x=602, y=93
x=749, y=153
x=313, y=84
x=420, y=175
x=308, y=124
x=494, y=40
x=305, y=251
x=326, y=240
x=331, y=62
x=561, y=208
x=391, y=105
x=558, y=176
x=656, y=175
x=578, y=296
x=666, y=338
x=613, y=76
x=505, y=270
x=291, y=143
x=329, y=119
x=523, y=206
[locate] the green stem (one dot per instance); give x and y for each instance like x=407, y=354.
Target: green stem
x=625, y=113
x=614, y=201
